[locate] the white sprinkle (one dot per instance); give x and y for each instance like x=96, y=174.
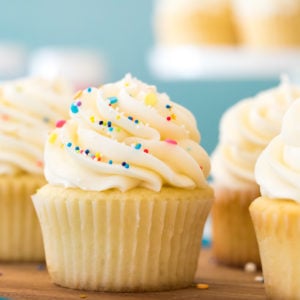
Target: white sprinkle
x=250, y=267
x=259, y=279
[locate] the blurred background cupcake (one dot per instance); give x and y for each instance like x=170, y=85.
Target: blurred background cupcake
x=268, y=23
x=29, y=108
x=276, y=213
x=192, y=22
x=245, y=130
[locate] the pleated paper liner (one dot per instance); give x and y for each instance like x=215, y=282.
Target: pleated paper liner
x=277, y=226
x=234, y=240
x=138, y=240
x=20, y=234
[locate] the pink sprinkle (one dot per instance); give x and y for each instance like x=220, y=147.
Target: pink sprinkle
x=170, y=141
x=168, y=118
x=39, y=164
x=60, y=123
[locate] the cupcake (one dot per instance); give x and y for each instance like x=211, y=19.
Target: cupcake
x=276, y=213
x=195, y=22
x=268, y=23
x=127, y=196
x=245, y=130
x=28, y=110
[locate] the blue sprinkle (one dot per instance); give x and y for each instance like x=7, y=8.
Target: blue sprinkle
x=69, y=144
x=100, y=122
x=112, y=100
x=89, y=90
x=136, y=121
x=109, y=124
x=130, y=118
x=124, y=163
x=168, y=106
x=87, y=151
x=138, y=146
x=110, y=162
x=77, y=148
x=110, y=129
x=127, y=166
x=74, y=108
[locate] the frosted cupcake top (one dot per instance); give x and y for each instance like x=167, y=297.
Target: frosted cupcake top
x=125, y=135
x=245, y=130
x=29, y=108
x=258, y=8
x=277, y=170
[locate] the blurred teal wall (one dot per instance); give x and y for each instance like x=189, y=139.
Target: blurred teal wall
x=122, y=31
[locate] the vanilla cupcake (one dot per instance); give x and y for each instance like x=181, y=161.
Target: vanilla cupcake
x=127, y=196
x=245, y=130
x=28, y=110
x=276, y=213
x=195, y=22
x=268, y=23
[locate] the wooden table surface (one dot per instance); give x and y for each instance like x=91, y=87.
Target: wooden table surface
x=31, y=281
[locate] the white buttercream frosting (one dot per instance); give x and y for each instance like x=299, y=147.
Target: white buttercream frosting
x=171, y=6
x=123, y=135
x=245, y=130
x=257, y=8
x=29, y=108
x=277, y=170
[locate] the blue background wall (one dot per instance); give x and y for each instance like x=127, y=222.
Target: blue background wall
x=122, y=31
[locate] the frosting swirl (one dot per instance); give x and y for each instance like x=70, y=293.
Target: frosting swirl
x=245, y=130
x=28, y=110
x=277, y=170
x=125, y=135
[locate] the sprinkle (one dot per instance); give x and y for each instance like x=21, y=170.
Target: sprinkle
x=74, y=108
x=69, y=144
x=168, y=118
x=109, y=124
x=89, y=89
x=78, y=94
x=201, y=167
x=5, y=117
x=170, y=141
x=87, y=151
x=150, y=99
x=130, y=118
x=118, y=129
x=60, y=123
x=173, y=116
x=112, y=100
x=77, y=148
x=46, y=119
x=125, y=164
x=110, y=129
x=202, y=286
x=168, y=106
x=110, y=162
x=118, y=117
x=136, y=121
x=100, y=123
x=138, y=146
x=52, y=138
x=79, y=103
x=259, y=278
x=83, y=296
x=250, y=267
x=39, y=163
x=41, y=267
x=146, y=150
x=92, y=119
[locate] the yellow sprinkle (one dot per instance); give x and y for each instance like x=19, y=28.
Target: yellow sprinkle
x=52, y=138
x=202, y=286
x=118, y=129
x=77, y=95
x=97, y=154
x=92, y=119
x=118, y=117
x=83, y=296
x=126, y=83
x=151, y=99
x=173, y=116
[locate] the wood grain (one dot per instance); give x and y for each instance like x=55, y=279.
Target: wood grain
x=31, y=281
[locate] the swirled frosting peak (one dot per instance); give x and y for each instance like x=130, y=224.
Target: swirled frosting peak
x=29, y=108
x=277, y=170
x=245, y=130
x=125, y=135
